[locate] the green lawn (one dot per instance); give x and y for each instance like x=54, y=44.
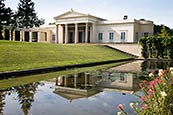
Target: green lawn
x=22, y=55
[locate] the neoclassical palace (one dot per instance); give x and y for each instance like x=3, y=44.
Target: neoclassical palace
x=75, y=27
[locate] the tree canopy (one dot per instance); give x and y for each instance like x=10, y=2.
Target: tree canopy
x=26, y=17
x=6, y=15
x=157, y=46
x=158, y=28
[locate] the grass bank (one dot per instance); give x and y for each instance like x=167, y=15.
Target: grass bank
x=21, y=55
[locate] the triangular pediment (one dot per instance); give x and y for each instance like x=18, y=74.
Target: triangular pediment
x=70, y=14
x=73, y=14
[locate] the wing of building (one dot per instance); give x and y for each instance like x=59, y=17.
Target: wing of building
x=75, y=27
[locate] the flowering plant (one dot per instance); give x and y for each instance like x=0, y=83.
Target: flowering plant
x=157, y=98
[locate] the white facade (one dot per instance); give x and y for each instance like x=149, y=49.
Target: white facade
x=74, y=27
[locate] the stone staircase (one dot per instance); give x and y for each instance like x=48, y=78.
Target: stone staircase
x=132, y=49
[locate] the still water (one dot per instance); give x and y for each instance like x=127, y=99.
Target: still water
x=90, y=93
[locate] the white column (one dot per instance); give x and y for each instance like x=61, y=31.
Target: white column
x=3, y=33
x=30, y=36
x=86, y=33
x=13, y=35
x=93, y=33
x=65, y=81
x=10, y=35
x=75, y=80
x=76, y=33
x=60, y=34
x=21, y=35
x=56, y=37
x=39, y=35
x=85, y=80
x=66, y=33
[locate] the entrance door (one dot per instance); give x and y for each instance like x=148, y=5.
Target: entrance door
x=70, y=37
x=80, y=37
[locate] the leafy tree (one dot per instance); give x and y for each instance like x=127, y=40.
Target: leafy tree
x=6, y=15
x=26, y=17
x=157, y=46
x=158, y=28
x=143, y=43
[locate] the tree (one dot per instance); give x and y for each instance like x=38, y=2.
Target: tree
x=26, y=17
x=26, y=96
x=158, y=28
x=6, y=15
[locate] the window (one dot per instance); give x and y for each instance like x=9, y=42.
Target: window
x=111, y=36
x=45, y=36
x=146, y=34
x=123, y=35
x=100, y=36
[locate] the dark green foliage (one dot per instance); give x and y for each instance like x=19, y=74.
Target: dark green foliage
x=157, y=46
x=6, y=15
x=26, y=17
x=158, y=28
x=143, y=43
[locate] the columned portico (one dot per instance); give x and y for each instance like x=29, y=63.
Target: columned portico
x=76, y=27
x=73, y=33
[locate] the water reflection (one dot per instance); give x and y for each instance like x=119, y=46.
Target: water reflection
x=89, y=93
x=87, y=84
x=152, y=65
x=77, y=89
x=26, y=96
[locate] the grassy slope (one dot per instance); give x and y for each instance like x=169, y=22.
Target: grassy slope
x=20, y=55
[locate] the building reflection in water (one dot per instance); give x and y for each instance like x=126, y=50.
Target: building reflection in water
x=84, y=85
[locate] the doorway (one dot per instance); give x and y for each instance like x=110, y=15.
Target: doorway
x=80, y=37
x=71, y=36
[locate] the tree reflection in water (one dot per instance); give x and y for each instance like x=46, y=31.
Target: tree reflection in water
x=2, y=103
x=26, y=96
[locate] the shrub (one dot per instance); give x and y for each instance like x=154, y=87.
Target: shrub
x=157, y=95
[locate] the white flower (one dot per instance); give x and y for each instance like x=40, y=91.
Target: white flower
x=119, y=113
x=136, y=104
x=171, y=68
x=151, y=75
x=163, y=94
x=160, y=70
x=132, y=105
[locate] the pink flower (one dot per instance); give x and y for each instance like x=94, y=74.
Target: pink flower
x=144, y=106
x=149, y=96
x=150, y=91
x=151, y=84
x=120, y=107
x=164, y=72
x=143, y=99
x=157, y=80
x=145, y=81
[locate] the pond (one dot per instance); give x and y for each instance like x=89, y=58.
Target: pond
x=87, y=93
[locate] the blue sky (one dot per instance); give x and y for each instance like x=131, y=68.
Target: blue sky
x=160, y=11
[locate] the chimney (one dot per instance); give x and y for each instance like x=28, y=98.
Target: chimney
x=125, y=17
